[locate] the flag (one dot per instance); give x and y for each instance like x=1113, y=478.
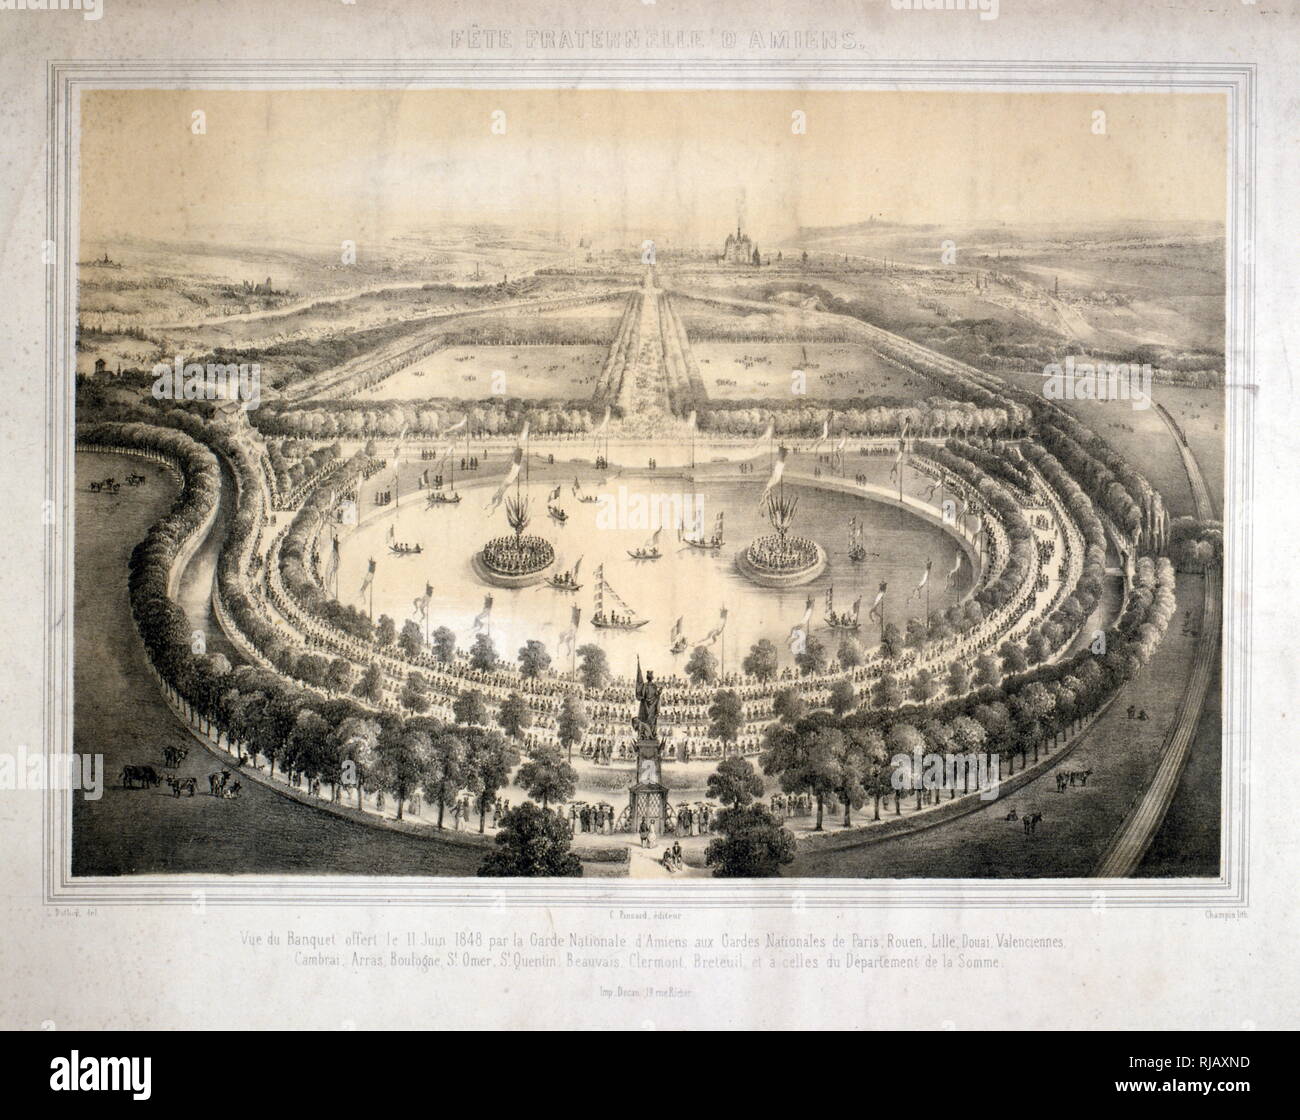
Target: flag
x=826, y=431
x=767, y=435
x=422, y=603
x=925, y=578
x=898, y=462
x=392, y=532
x=714, y=634
x=456, y=426
x=603, y=424
x=555, y=495
x=523, y=435
x=690, y=421
x=956, y=566
x=510, y=476
x=570, y=636
x=370, y=578
x=484, y=617
x=332, y=564
x=857, y=606
x=875, y=611
x=778, y=469
x=798, y=639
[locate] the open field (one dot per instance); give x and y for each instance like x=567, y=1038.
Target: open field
x=467, y=373
x=834, y=371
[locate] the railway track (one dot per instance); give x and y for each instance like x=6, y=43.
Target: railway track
x=1130, y=843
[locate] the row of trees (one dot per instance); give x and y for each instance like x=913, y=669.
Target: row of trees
x=849, y=753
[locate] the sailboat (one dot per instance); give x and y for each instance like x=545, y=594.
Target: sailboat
x=844, y=620
x=678, y=639
x=587, y=499
x=857, y=550
x=649, y=550
x=557, y=512
x=619, y=616
x=447, y=497
x=566, y=580
x=710, y=544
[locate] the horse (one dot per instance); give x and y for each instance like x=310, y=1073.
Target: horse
x=217, y=783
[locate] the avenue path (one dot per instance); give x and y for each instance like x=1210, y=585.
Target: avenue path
x=120, y=713
x=1133, y=840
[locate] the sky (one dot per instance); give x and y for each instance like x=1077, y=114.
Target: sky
x=322, y=166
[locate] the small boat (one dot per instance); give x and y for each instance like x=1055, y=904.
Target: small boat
x=586, y=499
x=709, y=544
x=405, y=549
x=843, y=620
x=857, y=550
x=447, y=497
x=619, y=616
x=567, y=580
x=557, y=514
x=678, y=639
x=649, y=550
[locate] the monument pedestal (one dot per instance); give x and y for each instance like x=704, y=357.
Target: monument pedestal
x=647, y=798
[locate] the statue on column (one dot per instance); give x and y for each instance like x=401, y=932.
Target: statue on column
x=648, y=693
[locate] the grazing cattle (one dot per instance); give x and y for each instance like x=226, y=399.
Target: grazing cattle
x=182, y=785
x=233, y=791
x=217, y=783
x=139, y=777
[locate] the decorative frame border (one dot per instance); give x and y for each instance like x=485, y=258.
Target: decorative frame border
x=66, y=79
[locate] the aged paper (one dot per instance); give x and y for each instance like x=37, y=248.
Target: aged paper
x=613, y=515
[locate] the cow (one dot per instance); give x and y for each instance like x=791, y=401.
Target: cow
x=146, y=776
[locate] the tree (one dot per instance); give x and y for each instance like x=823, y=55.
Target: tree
x=532, y=843
x=887, y=692
x=968, y=737
x=371, y=685
x=958, y=678
x=533, y=659
x=339, y=678
x=891, y=641
x=410, y=641
x=702, y=666
x=546, y=777
x=988, y=672
x=403, y=762
x=726, y=717
x=483, y=654
x=851, y=653
x=843, y=697
x=444, y=644
x=803, y=759
x=735, y=783
x=446, y=770
x=469, y=708
x=917, y=632
x=761, y=661
x=923, y=686
x=753, y=844
x=876, y=769
x=593, y=666
x=904, y=739
x=812, y=658
x=356, y=739
x=415, y=693
x=851, y=773
x=572, y=723
x=491, y=759
x=385, y=631
x=1013, y=658
x=514, y=716
x=788, y=705
x=305, y=748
